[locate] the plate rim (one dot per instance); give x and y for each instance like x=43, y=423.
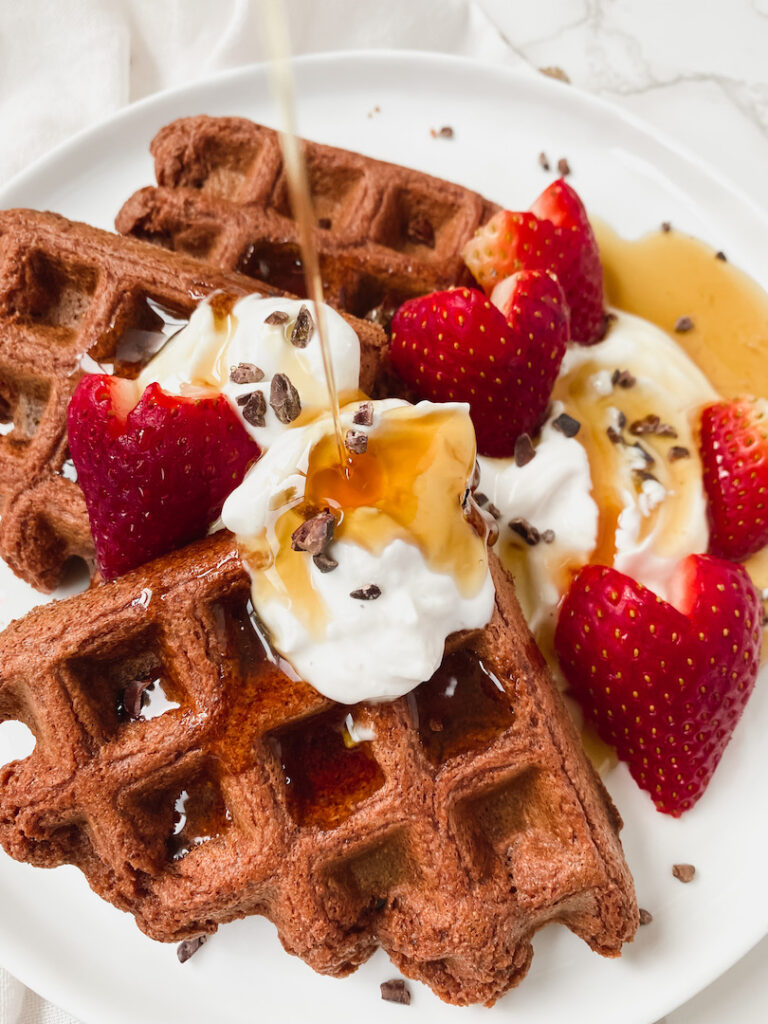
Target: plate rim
x=418, y=59
x=384, y=56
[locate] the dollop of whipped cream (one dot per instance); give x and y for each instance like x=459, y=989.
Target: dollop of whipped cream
x=552, y=492
x=623, y=502
x=400, y=529
x=203, y=354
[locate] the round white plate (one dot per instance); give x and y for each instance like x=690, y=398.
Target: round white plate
x=88, y=957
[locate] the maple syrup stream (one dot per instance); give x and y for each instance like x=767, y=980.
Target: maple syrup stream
x=278, y=44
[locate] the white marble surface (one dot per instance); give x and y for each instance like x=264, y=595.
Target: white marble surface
x=695, y=69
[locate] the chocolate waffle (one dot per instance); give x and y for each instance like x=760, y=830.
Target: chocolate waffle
x=66, y=291
x=471, y=819
x=384, y=233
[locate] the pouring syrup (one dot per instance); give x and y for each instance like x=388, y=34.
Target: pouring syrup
x=278, y=44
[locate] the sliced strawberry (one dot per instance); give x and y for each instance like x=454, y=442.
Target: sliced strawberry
x=663, y=684
x=457, y=346
x=556, y=235
x=154, y=476
x=734, y=456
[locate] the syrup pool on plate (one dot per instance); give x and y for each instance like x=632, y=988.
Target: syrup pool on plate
x=667, y=275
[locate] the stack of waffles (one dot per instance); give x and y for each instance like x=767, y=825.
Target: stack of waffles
x=465, y=824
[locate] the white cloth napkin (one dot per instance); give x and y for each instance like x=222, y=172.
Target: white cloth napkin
x=67, y=64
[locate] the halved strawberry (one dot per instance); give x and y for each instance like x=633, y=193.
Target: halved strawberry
x=734, y=456
x=664, y=684
x=556, y=235
x=457, y=346
x=155, y=475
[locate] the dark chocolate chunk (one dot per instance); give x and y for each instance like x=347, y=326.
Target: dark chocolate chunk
x=421, y=231
x=643, y=475
x=324, y=223
x=189, y=947
x=563, y=167
x=303, y=328
x=645, y=916
x=684, y=872
x=526, y=530
x=396, y=991
x=284, y=398
x=614, y=436
x=666, y=227
x=678, y=451
x=246, y=373
x=548, y=536
x=683, y=324
x=493, y=530
x=133, y=697
x=368, y=592
x=254, y=408
x=380, y=903
x=720, y=255
x=356, y=441
x=623, y=379
x=481, y=521
x=481, y=499
x=622, y=421
x=566, y=425
x=493, y=511
x=278, y=317
x=364, y=415
x=647, y=457
x=543, y=161
x=524, y=450
x=315, y=534
x=651, y=424
x=324, y=562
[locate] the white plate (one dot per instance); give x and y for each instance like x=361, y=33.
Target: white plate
x=81, y=953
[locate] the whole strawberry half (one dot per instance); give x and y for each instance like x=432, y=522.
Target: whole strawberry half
x=663, y=684
x=734, y=456
x=154, y=476
x=457, y=346
x=555, y=235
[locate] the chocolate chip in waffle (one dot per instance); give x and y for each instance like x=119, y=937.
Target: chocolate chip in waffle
x=384, y=233
x=470, y=819
x=68, y=291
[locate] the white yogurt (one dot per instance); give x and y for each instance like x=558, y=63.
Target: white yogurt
x=366, y=649
x=203, y=353
x=660, y=521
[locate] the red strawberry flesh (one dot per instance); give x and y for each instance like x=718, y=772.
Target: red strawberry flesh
x=154, y=476
x=555, y=235
x=665, y=685
x=734, y=456
x=457, y=346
